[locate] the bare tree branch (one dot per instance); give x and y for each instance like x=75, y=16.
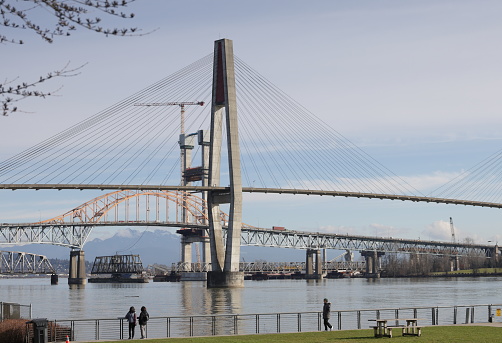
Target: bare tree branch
x=68, y=16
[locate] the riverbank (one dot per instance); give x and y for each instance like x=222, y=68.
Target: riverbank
x=484, y=333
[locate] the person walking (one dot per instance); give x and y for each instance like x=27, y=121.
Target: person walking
x=131, y=319
x=143, y=318
x=326, y=314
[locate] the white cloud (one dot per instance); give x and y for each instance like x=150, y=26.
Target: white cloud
x=439, y=230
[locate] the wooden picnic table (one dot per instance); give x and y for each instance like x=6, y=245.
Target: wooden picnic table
x=383, y=330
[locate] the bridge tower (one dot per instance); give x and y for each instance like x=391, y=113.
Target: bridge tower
x=224, y=259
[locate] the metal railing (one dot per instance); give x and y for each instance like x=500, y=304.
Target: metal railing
x=235, y=324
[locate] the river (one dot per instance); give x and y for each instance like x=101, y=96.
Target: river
x=193, y=298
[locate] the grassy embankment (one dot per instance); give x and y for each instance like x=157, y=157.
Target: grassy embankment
x=443, y=334
x=472, y=272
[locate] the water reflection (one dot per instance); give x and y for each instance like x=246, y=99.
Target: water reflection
x=197, y=299
x=164, y=299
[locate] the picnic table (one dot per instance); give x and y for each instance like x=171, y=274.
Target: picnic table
x=383, y=330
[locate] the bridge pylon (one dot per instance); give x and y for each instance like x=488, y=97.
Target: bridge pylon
x=224, y=258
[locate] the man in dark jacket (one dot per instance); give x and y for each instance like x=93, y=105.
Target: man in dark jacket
x=143, y=318
x=326, y=314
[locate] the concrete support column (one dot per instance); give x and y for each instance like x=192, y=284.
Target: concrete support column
x=206, y=250
x=454, y=263
x=369, y=264
x=77, y=275
x=377, y=263
x=309, y=263
x=313, y=264
x=186, y=254
x=318, y=264
x=372, y=258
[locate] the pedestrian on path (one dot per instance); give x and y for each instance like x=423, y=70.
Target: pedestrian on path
x=143, y=318
x=326, y=314
x=131, y=319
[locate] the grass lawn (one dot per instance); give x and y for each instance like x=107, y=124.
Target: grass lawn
x=482, y=271
x=443, y=334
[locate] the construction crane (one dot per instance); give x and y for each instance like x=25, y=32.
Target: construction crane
x=181, y=104
x=453, y=240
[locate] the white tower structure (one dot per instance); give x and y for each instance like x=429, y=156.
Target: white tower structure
x=224, y=258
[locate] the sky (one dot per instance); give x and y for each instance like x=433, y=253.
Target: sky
x=414, y=83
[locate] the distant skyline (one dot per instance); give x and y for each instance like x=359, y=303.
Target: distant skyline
x=414, y=84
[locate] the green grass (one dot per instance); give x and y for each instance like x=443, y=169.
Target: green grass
x=484, y=271
x=443, y=334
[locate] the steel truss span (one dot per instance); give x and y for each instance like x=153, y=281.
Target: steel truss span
x=162, y=208
x=74, y=236
x=412, y=198
x=310, y=240
x=15, y=262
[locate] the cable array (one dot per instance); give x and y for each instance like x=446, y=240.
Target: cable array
x=483, y=182
x=122, y=144
x=286, y=146
x=283, y=145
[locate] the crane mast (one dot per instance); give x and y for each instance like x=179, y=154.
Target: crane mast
x=453, y=240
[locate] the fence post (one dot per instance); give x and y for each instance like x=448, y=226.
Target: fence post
x=299, y=316
x=339, y=320
x=359, y=319
x=490, y=313
x=472, y=314
x=455, y=310
x=257, y=321
x=467, y=315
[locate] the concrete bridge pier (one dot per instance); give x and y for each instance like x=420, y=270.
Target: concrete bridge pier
x=493, y=256
x=454, y=263
x=186, y=253
x=372, y=258
x=188, y=238
x=313, y=265
x=77, y=275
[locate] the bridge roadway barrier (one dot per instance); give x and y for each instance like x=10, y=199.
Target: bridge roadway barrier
x=259, y=323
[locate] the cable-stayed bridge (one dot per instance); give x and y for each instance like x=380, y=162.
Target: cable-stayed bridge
x=278, y=147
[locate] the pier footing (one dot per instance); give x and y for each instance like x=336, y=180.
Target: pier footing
x=225, y=279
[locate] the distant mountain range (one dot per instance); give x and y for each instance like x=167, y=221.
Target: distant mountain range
x=159, y=246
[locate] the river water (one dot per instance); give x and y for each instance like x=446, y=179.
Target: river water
x=193, y=298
